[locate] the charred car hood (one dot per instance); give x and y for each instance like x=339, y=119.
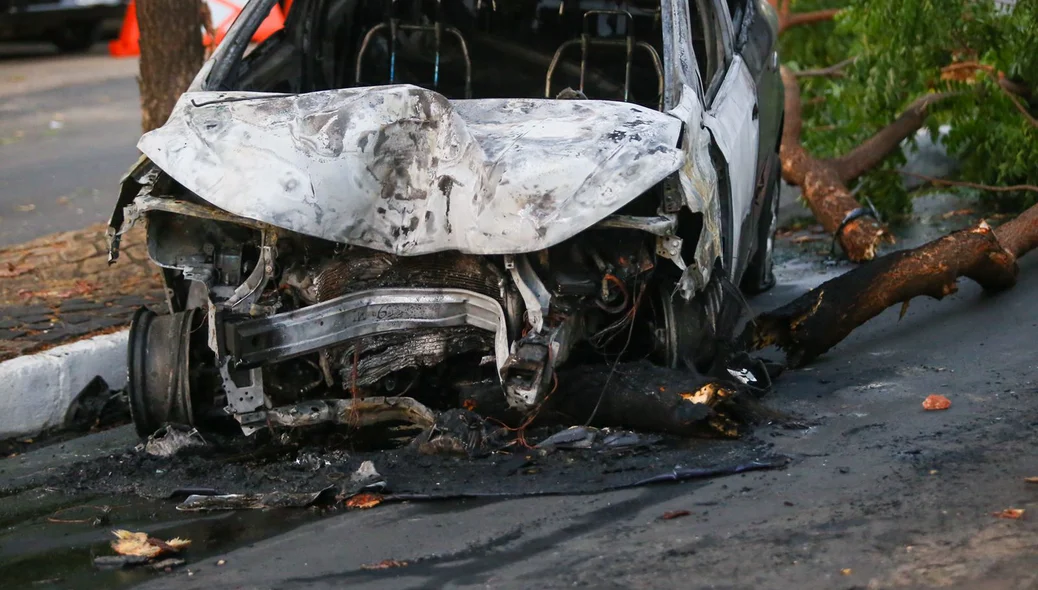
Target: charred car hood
x=404, y=170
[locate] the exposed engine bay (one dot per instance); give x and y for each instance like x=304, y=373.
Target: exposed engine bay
x=297, y=318
x=321, y=239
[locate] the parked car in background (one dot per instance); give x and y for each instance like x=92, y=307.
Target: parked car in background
x=407, y=197
x=71, y=25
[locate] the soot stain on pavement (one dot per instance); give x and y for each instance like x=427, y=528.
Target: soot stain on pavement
x=318, y=458
x=254, y=467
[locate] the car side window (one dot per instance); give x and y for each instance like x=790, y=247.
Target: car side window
x=708, y=44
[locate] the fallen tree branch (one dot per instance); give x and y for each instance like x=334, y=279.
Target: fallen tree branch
x=833, y=71
x=1020, y=235
x=872, y=151
x=815, y=322
x=976, y=185
x=644, y=397
x=797, y=19
x=1014, y=87
x=966, y=70
x=1019, y=106
x=788, y=20
x=823, y=188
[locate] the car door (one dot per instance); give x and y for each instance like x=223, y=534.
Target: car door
x=709, y=88
x=732, y=118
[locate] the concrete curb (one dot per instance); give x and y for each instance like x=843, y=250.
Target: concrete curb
x=36, y=390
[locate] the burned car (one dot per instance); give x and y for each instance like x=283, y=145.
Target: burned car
x=416, y=197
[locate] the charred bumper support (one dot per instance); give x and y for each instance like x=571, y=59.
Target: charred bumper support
x=526, y=367
x=251, y=343
x=255, y=342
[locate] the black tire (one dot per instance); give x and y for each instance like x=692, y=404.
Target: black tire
x=760, y=275
x=76, y=37
x=158, y=358
x=684, y=331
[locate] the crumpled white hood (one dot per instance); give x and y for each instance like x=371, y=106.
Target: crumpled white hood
x=404, y=170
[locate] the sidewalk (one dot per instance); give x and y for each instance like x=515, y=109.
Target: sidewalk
x=59, y=289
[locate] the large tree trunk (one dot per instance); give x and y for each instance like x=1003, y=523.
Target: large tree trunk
x=817, y=320
x=171, y=54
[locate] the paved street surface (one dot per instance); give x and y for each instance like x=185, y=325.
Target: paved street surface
x=880, y=494
x=68, y=130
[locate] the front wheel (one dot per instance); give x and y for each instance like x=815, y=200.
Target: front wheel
x=169, y=382
x=686, y=332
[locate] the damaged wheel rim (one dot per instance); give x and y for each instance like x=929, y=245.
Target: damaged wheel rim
x=159, y=377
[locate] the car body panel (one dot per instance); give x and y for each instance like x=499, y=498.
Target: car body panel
x=403, y=170
x=733, y=122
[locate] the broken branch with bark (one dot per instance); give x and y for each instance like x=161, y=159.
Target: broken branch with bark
x=815, y=322
x=966, y=70
x=833, y=71
x=789, y=19
x=796, y=19
x=872, y=151
x=822, y=184
x=976, y=185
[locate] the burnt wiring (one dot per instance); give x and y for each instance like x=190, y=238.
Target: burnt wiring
x=520, y=431
x=630, y=332
x=613, y=279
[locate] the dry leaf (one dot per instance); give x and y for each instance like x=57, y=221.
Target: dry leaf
x=1031, y=479
x=846, y=571
x=936, y=402
x=384, y=565
x=675, y=514
x=364, y=501
x=1013, y=513
x=140, y=544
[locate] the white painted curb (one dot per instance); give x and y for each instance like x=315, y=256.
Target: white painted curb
x=36, y=390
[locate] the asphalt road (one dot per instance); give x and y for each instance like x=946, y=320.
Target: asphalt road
x=68, y=130
x=881, y=494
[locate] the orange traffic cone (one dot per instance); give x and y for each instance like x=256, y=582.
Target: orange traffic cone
x=128, y=43
x=223, y=13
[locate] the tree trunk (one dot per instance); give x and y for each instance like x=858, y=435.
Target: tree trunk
x=816, y=321
x=171, y=54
